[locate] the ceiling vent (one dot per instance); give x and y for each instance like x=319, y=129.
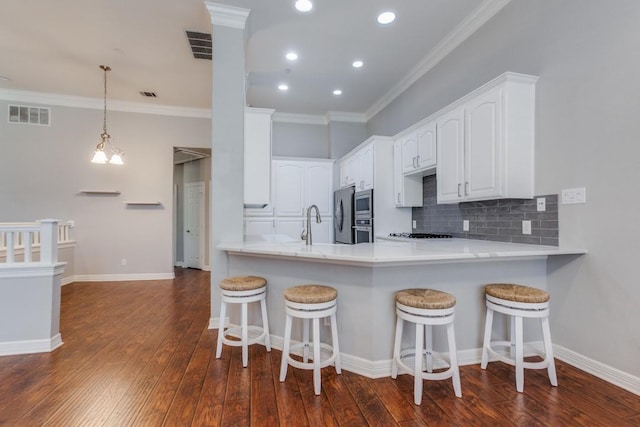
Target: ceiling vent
x=29, y=115
x=200, y=44
x=148, y=94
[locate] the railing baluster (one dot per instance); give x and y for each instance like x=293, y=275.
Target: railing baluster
x=26, y=238
x=10, y=249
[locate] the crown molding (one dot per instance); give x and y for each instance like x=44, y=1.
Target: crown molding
x=459, y=34
x=344, y=116
x=305, y=119
x=98, y=104
x=227, y=16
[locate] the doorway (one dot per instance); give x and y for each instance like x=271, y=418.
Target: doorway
x=191, y=207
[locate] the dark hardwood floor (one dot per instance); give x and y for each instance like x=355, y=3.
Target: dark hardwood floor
x=140, y=353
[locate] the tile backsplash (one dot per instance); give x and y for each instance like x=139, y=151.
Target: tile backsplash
x=497, y=220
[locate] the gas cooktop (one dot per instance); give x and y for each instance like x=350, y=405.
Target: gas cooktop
x=422, y=235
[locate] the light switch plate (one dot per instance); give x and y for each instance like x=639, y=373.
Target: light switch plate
x=572, y=196
x=526, y=227
x=465, y=225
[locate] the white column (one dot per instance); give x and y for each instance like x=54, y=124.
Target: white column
x=227, y=136
x=49, y=241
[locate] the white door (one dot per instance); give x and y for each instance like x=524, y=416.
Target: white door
x=450, y=153
x=289, y=193
x=193, y=224
x=483, y=146
x=426, y=146
x=318, y=187
x=409, y=152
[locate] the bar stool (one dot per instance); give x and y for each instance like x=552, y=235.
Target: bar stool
x=518, y=302
x=425, y=308
x=310, y=302
x=243, y=290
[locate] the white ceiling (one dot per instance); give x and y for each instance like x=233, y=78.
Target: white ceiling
x=57, y=46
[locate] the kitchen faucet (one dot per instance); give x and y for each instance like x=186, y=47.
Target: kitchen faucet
x=306, y=235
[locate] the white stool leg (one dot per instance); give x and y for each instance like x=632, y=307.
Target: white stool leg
x=428, y=345
x=417, y=370
x=334, y=343
x=512, y=350
x=285, y=348
x=223, y=313
x=519, y=355
x=488, y=324
x=396, y=348
x=453, y=360
x=245, y=335
x=305, y=340
x=548, y=352
x=316, y=356
x=265, y=323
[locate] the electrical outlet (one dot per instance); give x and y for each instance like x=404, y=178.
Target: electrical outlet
x=414, y=224
x=541, y=204
x=572, y=196
x=465, y=225
x=123, y=261
x=526, y=227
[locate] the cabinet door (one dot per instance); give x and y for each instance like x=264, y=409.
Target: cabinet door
x=426, y=146
x=344, y=179
x=409, y=152
x=318, y=187
x=367, y=162
x=450, y=152
x=398, y=178
x=258, y=226
x=257, y=156
x=323, y=232
x=290, y=227
x=484, y=146
x=289, y=182
x=354, y=167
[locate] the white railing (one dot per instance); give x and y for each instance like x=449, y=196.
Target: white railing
x=19, y=241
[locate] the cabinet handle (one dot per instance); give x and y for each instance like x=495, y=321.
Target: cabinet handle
x=459, y=188
x=413, y=163
x=398, y=198
x=418, y=161
x=466, y=188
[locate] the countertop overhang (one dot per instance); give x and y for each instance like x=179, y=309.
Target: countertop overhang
x=389, y=253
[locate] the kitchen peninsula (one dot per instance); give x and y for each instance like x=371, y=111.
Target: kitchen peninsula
x=367, y=275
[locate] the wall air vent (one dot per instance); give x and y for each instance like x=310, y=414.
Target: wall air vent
x=29, y=115
x=148, y=94
x=200, y=44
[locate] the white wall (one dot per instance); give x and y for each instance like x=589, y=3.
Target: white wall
x=344, y=137
x=300, y=140
x=43, y=168
x=585, y=52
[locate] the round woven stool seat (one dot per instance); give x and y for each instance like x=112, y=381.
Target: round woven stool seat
x=425, y=298
x=517, y=293
x=242, y=283
x=310, y=294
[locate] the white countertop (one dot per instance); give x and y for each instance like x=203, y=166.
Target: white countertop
x=397, y=252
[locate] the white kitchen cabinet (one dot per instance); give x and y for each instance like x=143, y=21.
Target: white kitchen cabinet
x=419, y=149
x=485, y=142
x=291, y=227
x=323, y=232
x=357, y=169
x=258, y=226
x=407, y=189
x=288, y=180
x=257, y=157
x=366, y=168
x=318, y=187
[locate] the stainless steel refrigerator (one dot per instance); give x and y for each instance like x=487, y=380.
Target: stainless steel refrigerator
x=343, y=215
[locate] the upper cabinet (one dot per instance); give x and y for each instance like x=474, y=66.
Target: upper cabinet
x=407, y=189
x=357, y=169
x=419, y=149
x=257, y=157
x=485, y=142
x=299, y=184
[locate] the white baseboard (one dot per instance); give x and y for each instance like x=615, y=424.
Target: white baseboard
x=30, y=346
x=121, y=277
x=67, y=280
x=180, y=264
x=598, y=369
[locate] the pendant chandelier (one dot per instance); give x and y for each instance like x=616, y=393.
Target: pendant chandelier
x=106, y=145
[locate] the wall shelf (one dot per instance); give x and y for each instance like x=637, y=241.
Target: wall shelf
x=113, y=192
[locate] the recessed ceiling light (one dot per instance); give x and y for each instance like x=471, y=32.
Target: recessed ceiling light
x=283, y=87
x=337, y=92
x=357, y=64
x=304, y=5
x=386, y=17
x=291, y=56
